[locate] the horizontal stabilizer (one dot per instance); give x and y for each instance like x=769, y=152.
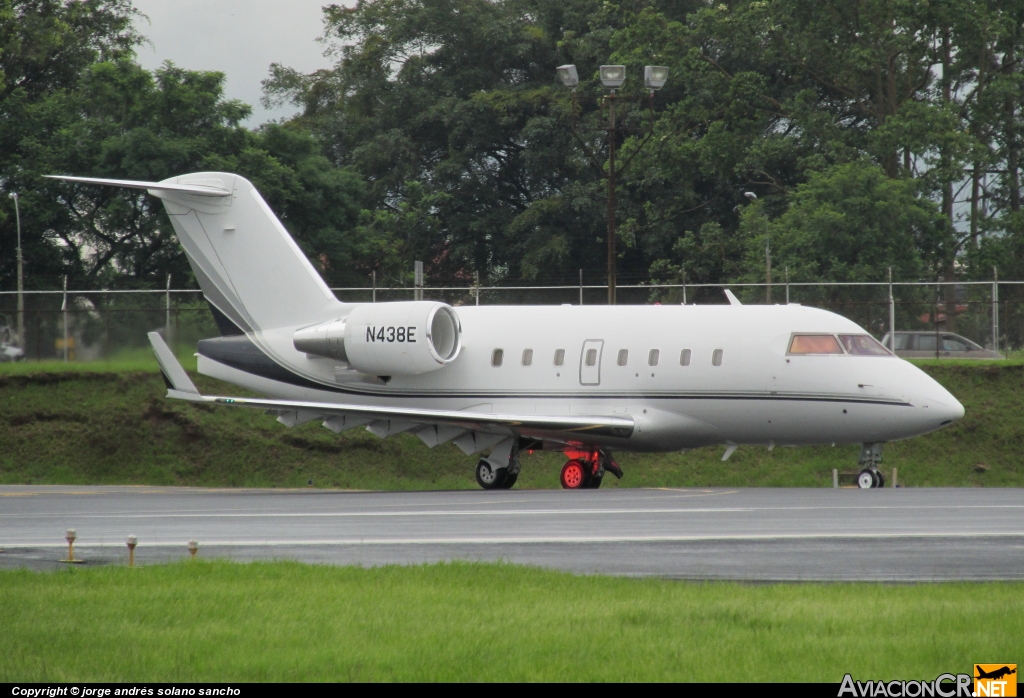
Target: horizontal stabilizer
x=170, y=367
x=197, y=189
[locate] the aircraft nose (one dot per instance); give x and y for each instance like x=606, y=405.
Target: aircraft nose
x=956, y=410
x=948, y=407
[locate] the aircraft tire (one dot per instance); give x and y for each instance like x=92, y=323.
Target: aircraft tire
x=866, y=479
x=509, y=481
x=573, y=475
x=879, y=478
x=490, y=478
x=593, y=482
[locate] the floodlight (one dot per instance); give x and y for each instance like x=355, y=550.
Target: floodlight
x=568, y=75
x=613, y=75
x=655, y=76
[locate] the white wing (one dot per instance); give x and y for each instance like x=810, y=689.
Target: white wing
x=471, y=431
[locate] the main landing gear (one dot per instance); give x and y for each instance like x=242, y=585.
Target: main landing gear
x=500, y=469
x=586, y=470
x=493, y=478
x=870, y=477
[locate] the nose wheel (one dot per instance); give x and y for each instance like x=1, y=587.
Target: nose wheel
x=870, y=479
x=870, y=457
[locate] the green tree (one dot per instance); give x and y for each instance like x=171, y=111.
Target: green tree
x=449, y=110
x=74, y=101
x=850, y=223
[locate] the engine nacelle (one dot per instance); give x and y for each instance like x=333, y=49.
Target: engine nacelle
x=388, y=339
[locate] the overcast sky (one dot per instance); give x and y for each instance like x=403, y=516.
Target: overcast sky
x=240, y=38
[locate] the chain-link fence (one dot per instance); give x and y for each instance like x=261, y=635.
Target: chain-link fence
x=102, y=324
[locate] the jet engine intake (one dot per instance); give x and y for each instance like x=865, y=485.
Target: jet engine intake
x=388, y=339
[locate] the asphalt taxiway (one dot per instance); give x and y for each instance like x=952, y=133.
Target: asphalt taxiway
x=742, y=534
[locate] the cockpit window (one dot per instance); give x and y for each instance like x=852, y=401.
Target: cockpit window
x=814, y=344
x=863, y=345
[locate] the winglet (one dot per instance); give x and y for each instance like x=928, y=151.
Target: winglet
x=730, y=448
x=733, y=300
x=173, y=372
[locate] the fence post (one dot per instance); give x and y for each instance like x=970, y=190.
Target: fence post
x=64, y=312
x=167, y=312
x=373, y=298
x=995, y=310
x=787, y=284
x=581, y=287
x=476, y=286
x=684, y=287
x=418, y=280
x=892, y=316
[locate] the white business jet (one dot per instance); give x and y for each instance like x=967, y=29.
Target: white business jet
x=508, y=379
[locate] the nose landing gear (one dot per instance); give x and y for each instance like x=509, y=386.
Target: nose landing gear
x=586, y=470
x=870, y=477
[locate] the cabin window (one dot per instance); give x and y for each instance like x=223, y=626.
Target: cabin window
x=862, y=345
x=527, y=357
x=684, y=357
x=716, y=358
x=814, y=344
x=653, y=356
x=559, y=357
x=623, y=357
x=497, y=356
x=591, y=359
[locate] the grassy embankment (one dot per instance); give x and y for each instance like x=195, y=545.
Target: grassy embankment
x=199, y=621
x=108, y=423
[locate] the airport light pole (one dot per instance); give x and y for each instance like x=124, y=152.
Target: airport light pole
x=612, y=77
x=21, y=277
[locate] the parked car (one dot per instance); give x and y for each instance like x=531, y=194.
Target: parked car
x=8, y=350
x=922, y=345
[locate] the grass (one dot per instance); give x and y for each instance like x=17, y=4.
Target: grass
x=281, y=621
x=127, y=361
x=90, y=424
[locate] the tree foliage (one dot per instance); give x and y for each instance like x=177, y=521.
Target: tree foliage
x=76, y=102
x=874, y=133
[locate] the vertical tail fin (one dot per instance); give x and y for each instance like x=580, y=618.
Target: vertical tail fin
x=247, y=264
x=245, y=261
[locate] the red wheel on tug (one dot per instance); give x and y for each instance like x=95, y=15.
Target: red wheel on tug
x=573, y=475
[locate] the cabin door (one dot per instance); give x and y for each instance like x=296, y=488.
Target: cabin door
x=590, y=362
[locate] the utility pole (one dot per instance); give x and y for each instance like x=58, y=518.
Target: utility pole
x=21, y=277
x=612, y=76
x=612, y=267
